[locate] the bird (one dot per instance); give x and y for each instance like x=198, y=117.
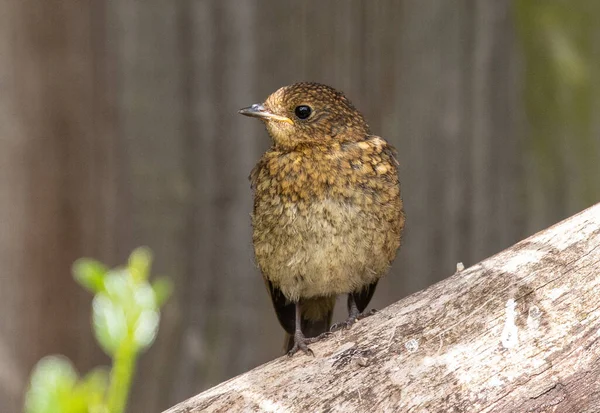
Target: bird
x=328, y=215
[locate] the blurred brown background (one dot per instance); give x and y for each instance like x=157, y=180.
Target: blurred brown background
x=118, y=128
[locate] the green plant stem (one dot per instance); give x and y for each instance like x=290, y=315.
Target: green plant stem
x=120, y=376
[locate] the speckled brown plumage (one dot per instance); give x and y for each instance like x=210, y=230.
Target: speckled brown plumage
x=327, y=214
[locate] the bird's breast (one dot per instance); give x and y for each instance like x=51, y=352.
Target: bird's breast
x=325, y=247
x=325, y=225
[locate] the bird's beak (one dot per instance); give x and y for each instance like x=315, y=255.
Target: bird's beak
x=258, y=111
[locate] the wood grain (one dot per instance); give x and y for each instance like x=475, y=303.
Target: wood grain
x=518, y=332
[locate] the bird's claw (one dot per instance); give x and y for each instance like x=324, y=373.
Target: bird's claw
x=353, y=318
x=344, y=325
x=366, y=314
x=301, y=343
x=300, y=346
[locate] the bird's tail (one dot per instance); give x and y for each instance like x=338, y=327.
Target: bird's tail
x=316, y=319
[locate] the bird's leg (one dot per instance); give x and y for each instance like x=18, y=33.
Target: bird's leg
x=353, y=315
x=300, y=341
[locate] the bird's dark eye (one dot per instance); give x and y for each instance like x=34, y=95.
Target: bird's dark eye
x=303, y=111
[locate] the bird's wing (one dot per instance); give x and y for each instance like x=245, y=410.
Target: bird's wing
x=384, y=146
x=254, y=174
x=262, y=166
x=363, y=297
x=285, y=310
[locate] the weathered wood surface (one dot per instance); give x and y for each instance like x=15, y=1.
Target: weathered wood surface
x=518, y=332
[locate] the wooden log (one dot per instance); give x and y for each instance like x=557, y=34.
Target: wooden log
x=518, y=332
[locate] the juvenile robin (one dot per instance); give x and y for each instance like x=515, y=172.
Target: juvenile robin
x=328, y=216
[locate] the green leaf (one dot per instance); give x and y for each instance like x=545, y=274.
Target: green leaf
x=146, y=329
x=94, y=386
x=119, y=286
x=143, y=296
x=140, y=261
x=125, y=314
x=51, y=385
x=89, y=274
x=163, y=288
x=110, y=323
x=146, y=316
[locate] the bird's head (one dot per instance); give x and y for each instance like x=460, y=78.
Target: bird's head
x=309, y=114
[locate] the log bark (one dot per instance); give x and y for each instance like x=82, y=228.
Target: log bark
x=518, y=332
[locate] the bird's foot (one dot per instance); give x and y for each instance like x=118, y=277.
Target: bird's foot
x=366, y=314
x=344, y=325
x=352, y=318
x=301, y=343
